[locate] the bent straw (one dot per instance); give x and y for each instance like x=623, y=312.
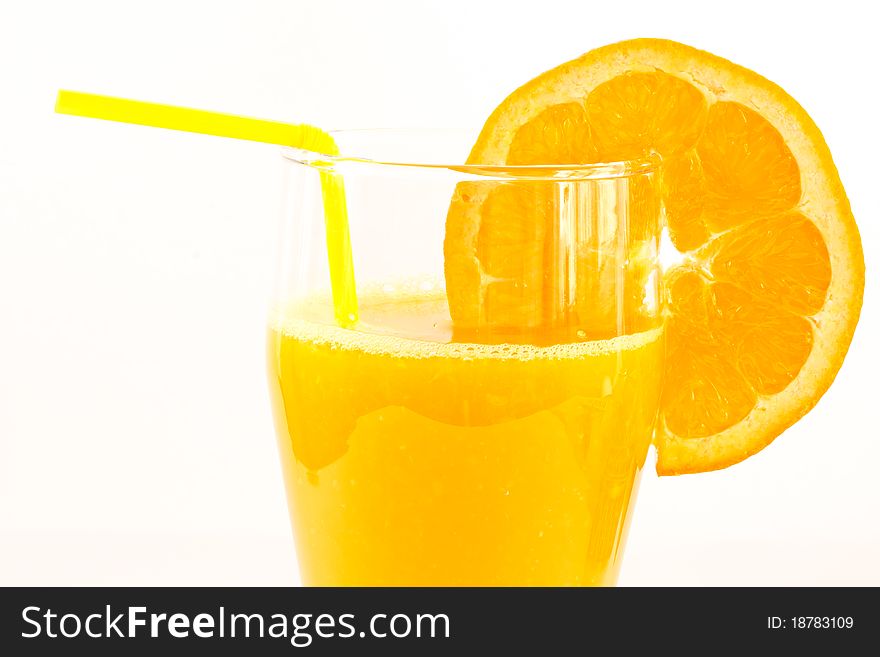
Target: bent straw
x=303, y=136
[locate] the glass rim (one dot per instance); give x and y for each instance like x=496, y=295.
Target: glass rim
x=550, y=172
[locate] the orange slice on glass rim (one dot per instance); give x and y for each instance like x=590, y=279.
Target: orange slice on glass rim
x=762, y=309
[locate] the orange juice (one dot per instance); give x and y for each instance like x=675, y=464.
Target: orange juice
x=410, y=459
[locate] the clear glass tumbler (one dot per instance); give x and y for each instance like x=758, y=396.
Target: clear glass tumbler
x=465, y=363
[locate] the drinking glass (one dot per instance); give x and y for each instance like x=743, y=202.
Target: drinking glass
x=465, y=362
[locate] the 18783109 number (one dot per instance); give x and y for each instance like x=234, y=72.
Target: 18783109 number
x=810, y=622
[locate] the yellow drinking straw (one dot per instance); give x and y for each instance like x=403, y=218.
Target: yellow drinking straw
x=240, y=127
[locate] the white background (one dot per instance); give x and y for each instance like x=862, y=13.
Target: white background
x=135, y=264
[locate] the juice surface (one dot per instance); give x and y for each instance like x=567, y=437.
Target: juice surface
x=413, y=460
